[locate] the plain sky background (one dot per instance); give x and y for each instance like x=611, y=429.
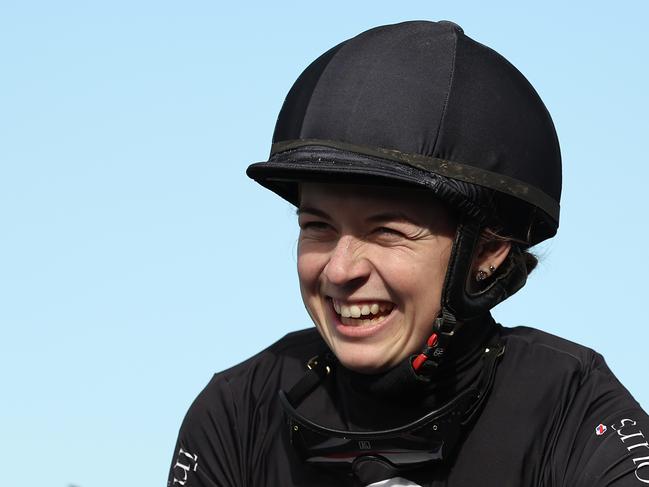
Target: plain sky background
x=136, y=258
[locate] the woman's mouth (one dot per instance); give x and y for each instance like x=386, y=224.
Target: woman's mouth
x=362, y=313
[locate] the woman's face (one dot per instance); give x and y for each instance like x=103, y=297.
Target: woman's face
x=371, y=263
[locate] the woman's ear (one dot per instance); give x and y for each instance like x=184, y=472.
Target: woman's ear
x=489, y=256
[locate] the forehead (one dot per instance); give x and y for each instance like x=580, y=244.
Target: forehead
x=358, y=197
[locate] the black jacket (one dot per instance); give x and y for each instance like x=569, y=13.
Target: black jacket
x=556, y=416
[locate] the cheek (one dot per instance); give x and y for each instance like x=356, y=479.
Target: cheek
x=420, y=278
x=308, y=270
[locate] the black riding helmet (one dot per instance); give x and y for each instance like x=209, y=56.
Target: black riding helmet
x=420, y=104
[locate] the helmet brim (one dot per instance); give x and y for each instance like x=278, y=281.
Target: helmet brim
x=332, y=162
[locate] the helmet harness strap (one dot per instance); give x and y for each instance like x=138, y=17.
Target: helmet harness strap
x=453, y=309
x=459, y=303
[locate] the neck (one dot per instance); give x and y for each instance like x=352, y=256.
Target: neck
x=399, y=394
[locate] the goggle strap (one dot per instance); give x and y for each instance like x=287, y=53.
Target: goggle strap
x=318, y=368
x=493, y=352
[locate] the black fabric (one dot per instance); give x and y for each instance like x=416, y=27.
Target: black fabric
x=457, y=296
x=539, y=426
x=424, y=95
x=496, y=120
x=368, y=92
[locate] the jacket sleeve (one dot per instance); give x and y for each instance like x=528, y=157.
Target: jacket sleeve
x=605, y=438
x=208, y=451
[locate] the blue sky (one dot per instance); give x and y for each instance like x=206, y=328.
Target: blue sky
x=137, y=259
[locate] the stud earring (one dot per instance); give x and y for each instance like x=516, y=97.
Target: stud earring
x=481, y=275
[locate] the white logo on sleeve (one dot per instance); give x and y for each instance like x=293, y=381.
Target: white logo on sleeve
x=395, y=482
x=635, y=442
x=185, y=462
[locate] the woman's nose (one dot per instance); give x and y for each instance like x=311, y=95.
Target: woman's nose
x=347, y=265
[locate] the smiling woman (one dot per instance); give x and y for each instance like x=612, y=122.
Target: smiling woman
x=423, y=166
x=371, y=262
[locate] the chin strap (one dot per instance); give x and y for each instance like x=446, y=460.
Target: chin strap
x=435, y=349
x=459, y=303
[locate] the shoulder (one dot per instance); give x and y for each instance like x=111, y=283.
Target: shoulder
x=577, y=373
x=553, y=353
x=236, y=417
x=290, y=352
x=260, y=377
x=600, y=432
x=533, y=337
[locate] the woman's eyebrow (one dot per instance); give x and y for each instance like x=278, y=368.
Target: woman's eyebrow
x=391, y=216
x=312, y=211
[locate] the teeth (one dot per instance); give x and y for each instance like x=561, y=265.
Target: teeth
x=350, y=314
x=353, y=322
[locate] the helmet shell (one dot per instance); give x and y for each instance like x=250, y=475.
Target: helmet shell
x=422, y=104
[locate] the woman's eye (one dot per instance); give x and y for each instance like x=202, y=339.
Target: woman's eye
x=315, y=226
x=387, y=232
